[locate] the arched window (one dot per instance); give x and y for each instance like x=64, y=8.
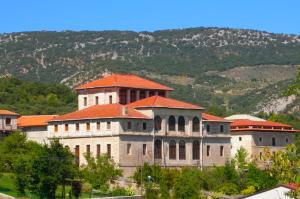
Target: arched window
x=172, y=150
x=196, y=124
x=157, y=149
x=181, y=124
x=181, y=150
x=172, y=123
x=157, y=123
x=196, y=150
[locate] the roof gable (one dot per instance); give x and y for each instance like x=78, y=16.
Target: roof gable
x=163, y=102
x=34, y=120
x=124, y=80
x=6, y=112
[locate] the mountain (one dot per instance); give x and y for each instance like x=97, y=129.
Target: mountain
x=231, y=69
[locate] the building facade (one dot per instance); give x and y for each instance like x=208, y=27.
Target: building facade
x=140, y=125
x=255, y=135
x=8, y=122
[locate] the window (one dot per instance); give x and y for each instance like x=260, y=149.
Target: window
x=88, y=150
x=132, y=95
x=287, y=140
x=77, y=154
x=142, y=94
x=196, y=124
x=110, y=99
x=144, y=126
x=260, y=155
x=98, y=125
x=108, y=150
x=96, y=100
x=151, y=93
x=66, y=127
x=98, y=150
x=55, y=128
x=144, y=149
x=129, y=125
x=85, y=101
x=128, y=149
x=7, y=121
x=172, y=123
x=196, y=150
x=108, y=125
x=77, y=126
x=221, y=128
x=157, y=123
x=207, y=128
x=260, y=139
x=181, y=150
x=123, y=96
x=273, y=141
x=240, y=138
x=208, y=150
x=221, y=151
x=157, y=149
x=181, y=124
x=162, y=93
x=172, y=150
x=88, y=126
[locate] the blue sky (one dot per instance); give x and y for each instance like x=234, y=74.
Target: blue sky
x=279, y=16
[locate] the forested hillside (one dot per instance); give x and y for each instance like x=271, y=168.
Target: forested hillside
x=236, y=70
x=26, y=97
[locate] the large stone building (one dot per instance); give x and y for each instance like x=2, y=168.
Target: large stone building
x=133, y=121
x=255, y=134
x=8, y=122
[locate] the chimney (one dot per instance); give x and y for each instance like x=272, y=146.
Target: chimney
x=124, y=110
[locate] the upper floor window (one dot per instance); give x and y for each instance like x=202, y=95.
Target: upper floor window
x=66, y=127
x=7, y=121
x=129, y=125
x=98, y=125
x=273, y=141
x=123, y=96
x=144, y=126
x=207, y=128
x=108, y=125
x=286, y=140
x=85, y=101
x=240, y=138
x=151, y=93
x=162, y=93
x=260, y=139
x=196, y=124
x=88, y=126
x=222, y=128
x=77, y=126
x=142, y=94
x=132, y=95
x=172, y=123
x=157, y=123
x=110, y=99
x=96, y=100
x=181, y=124
x=55, y=128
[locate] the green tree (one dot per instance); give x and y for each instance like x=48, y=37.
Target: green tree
x=100, y=171
x=50, y=168
x=241, y=159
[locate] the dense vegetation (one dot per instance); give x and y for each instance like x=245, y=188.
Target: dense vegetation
x=26, y=97
x=32, y=170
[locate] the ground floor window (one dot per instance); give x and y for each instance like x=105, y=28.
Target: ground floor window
x=181, y=150
x=157, y=149
x=172, y=150
x=196, y=150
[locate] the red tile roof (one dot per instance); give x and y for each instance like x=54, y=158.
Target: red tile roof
x=209, y=117
x=6, y=112
x=124, y=80
x=102, y=111
x=34, y=120
x=249, y=125
x=162, y=102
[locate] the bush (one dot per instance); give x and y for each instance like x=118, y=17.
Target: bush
x=228, y=188
x=249, y=190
